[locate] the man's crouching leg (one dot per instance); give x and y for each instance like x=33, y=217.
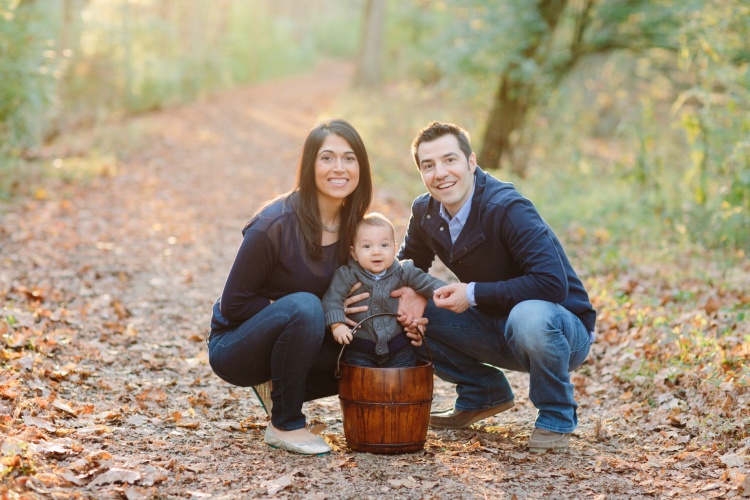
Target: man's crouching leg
x=549, y=341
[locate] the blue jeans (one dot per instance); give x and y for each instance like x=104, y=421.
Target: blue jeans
x=403, y=357
x=287, y=343
x=540, y=338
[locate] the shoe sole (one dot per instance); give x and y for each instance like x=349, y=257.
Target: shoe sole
x=300, y=454
x=503, y=408
x=545, y=450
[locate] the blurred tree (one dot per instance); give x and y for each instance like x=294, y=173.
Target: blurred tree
x=713, y=109
x=369, y=62
x=532, y=46
x=27, y=67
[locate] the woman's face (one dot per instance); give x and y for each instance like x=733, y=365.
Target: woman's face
x=336, y=170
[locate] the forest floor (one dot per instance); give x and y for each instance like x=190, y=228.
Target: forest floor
x=106, y=286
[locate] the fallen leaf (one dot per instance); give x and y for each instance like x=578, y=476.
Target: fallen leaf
x=199, y=494
x=53, y=449
x=403, y=483
x=733, y=460
x=38, y=422
x=188, y=424
x=273, y=486
x=64, y=407
x=745, y=487
x=317, y=429
x=116, y=475
x=72, y=478
x=712, y=305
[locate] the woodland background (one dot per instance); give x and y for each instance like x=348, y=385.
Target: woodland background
x=626, y=122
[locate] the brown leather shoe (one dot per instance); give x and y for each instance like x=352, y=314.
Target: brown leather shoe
x=543, y=440
x=459, y=419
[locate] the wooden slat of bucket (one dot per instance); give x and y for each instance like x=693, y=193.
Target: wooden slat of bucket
x=386, y=410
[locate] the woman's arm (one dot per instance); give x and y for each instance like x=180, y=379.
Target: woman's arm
x=255, y=260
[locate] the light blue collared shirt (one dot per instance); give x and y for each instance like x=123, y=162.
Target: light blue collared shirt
x=455, y=225
x=374, y=276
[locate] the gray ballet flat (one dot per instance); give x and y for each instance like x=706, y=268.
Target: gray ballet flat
x=316, y=446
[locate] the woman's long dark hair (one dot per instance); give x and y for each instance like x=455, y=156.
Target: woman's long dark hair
x=306, y=203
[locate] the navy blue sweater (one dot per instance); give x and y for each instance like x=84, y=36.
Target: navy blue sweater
x=271, y=263
x=506, y=248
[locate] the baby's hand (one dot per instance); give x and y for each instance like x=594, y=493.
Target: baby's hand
x=342, y=334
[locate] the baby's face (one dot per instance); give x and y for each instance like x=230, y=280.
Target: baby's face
x=374, y=248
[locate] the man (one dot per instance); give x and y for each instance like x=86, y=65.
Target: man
x=519, y=306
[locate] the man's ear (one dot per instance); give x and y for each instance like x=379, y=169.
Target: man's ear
x=472, y=162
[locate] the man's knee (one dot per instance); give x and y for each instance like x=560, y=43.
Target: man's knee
x=530, y=323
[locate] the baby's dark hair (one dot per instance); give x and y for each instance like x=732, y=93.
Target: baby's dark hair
x=375, y=219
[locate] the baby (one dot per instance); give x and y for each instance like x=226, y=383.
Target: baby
x=380, y=341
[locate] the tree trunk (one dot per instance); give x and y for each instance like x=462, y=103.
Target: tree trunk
x=368, y=73
x=507, y=115
x=515, y=95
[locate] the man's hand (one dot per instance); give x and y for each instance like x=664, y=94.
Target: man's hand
x=342, y=334
x=352, y=299
x=410, y=305
x=413, y=331
x=410, y=311
x=452, y=297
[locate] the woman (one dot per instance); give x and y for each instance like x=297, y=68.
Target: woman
x=269, y=323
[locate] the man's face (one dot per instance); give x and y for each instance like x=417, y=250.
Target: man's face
x=446, y=172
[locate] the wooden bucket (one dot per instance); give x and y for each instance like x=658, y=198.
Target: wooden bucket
x=385, y=410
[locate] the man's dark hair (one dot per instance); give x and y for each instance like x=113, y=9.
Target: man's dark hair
x=436, y=130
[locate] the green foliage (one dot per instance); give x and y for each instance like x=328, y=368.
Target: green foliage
x=141, y=58
x=664, y=83
x=411, y=47
x=61, y=69
x=26, y=75
x=715, y=111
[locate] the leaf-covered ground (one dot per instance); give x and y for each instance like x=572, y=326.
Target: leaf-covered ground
x=106, y=286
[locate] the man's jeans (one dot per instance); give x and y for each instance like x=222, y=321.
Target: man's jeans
x=287, y=343
x=540, y=338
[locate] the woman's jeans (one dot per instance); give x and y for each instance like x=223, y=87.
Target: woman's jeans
x=540, y=338
x=287, y=343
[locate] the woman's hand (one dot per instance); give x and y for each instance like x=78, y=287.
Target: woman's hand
x=352, y=299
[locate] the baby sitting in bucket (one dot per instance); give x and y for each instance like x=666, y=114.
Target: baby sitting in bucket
x=380, y=342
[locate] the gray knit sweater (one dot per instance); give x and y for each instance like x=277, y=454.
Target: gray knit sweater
x=383, y=328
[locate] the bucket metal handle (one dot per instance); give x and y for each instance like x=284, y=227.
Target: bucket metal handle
x=337, y=373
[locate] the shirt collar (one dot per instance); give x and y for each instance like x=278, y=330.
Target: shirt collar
x=374, y=276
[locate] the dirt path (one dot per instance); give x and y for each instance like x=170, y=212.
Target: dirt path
x=107, y=391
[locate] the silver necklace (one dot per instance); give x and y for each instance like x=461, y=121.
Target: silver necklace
x=331, y=229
